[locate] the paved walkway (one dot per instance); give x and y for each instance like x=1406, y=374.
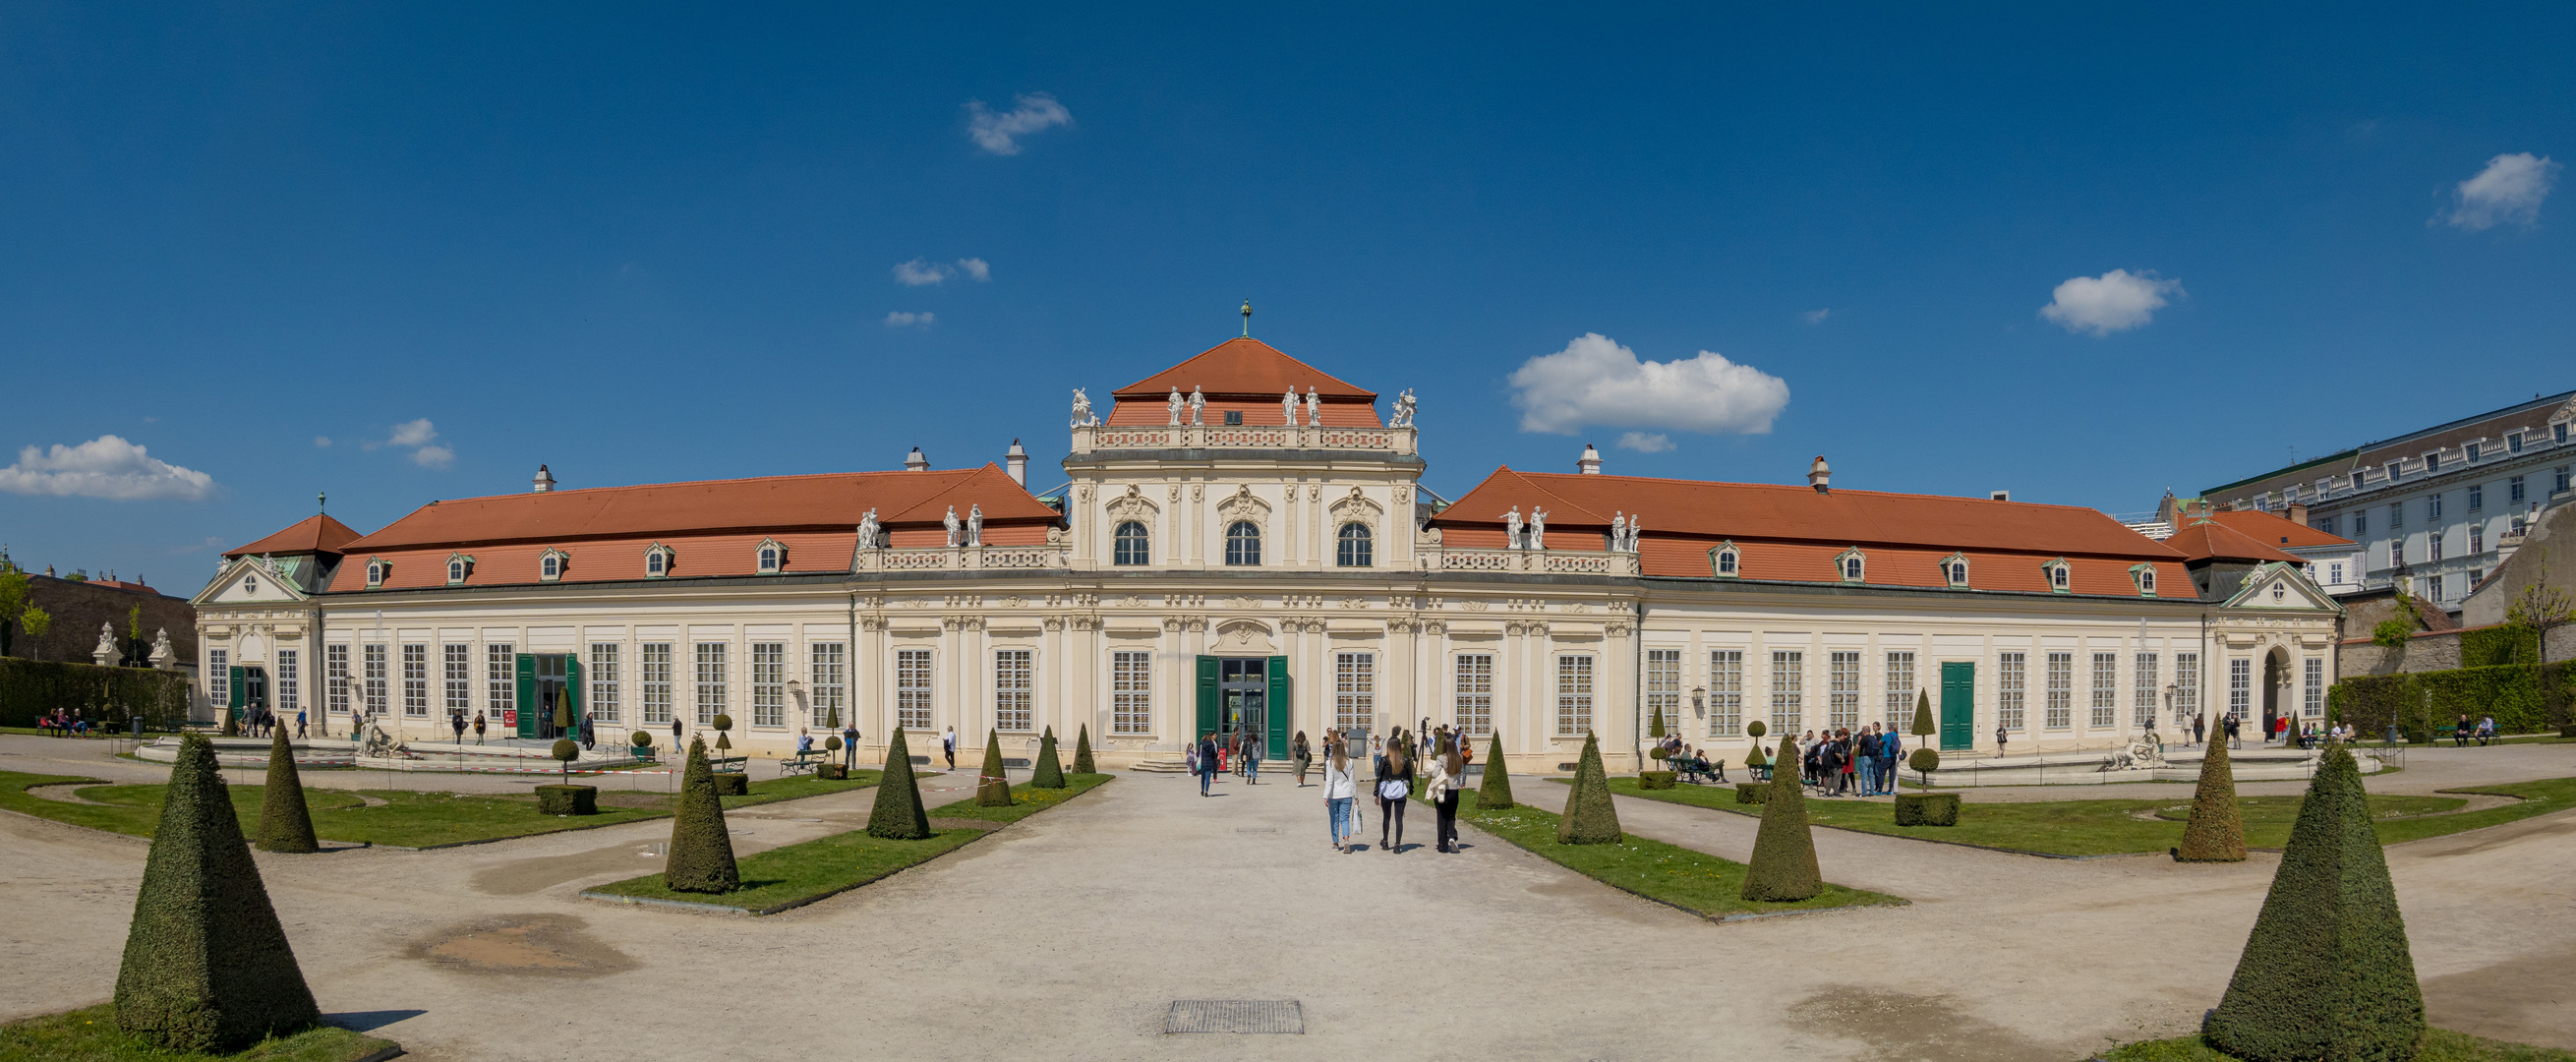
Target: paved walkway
x=1070, y=934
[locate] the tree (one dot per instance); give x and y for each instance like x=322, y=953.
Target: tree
x=1784, y=851
x=1589, y=815
x=1048, y=774
x=992, y=786
x=1924, y=760
x=2326, y=972
x=1082, y=752
x=898, y=814
x=2216, y=832
x=1496, y=793
x=701, y=857
x=207, y=966
x=2541, y=607
x=564, y=752
x=285, y=823
x=18, y=611
x=1923, y=726
x=2392, y=633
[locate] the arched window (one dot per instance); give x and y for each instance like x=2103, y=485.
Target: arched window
x=1242, y=543
x=375, y=573
x=553, y=566
x=1354, y=550
x=1956, y=572
x=2057, y=576
x=1853, y=569
x=456, y=570
x=1133, y=545
x=657, y=561
x=768, y=559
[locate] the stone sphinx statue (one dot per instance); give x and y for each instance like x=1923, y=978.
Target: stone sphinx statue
x=379, y=742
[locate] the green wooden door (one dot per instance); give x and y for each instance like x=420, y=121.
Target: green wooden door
x=1958, y=705
x=237, y=692
x=1208, y=701
x=1276, y=742
x=526, y=703
x=572, y=693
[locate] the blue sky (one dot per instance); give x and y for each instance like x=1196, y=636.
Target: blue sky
x=644, y=243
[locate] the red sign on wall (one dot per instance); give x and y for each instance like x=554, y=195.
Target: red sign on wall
x=509, y=717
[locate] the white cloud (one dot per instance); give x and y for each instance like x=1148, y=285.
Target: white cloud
x=1596, y=381
x=2508, y=191
x=997, y=132
x=1817, y=316
x=900, y=319
x=433, y=457
x=2113, y=302
x=414, y=433
x=919, y=272
x=1645, y=443
x=976, y=268
x=104, y=467
x=321, y=442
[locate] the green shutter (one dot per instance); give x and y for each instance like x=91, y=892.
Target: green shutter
x=527, y=701
x=1958, y=705
x=1276, y=746
x=1207, y=698
x=572, y=688
x=237, y=692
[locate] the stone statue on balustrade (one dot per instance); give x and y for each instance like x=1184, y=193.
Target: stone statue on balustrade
x=975, y=524
x=1288, y=407
x=1403, y=409
x=1537, y=528
x=954, y=528
x=1082, y=415
x=1314, y=408
x=1512, y=528
x=1175, y=406
x=1198, y=407
x=871, y=534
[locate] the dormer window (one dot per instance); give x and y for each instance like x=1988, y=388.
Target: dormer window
x=458, y=567
x=1850, y=566
x=2432, y=462
x=1954, y=571
x=2059, y=581
x=1725, y=561
x=550, y=566
x=2471, y=451
x=2513, y=443
x=657, y=561
x=2145, y=576
x=771, y=557
x=376, y=570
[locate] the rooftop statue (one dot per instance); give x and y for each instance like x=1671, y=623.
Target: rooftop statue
x=1404, y=409
x=1314, y=414
x=1175, y=407
x=1288, y=407
x=953, y=526
x=1082, y=415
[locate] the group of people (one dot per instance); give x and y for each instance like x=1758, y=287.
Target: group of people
x=65, y=723
x=1839, y=762
x=1239, y=752
x=257, y=721
x=2484, y=730
x=457, y=720
x=1392, y=784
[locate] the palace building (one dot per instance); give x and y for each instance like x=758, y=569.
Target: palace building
x=1245, y=543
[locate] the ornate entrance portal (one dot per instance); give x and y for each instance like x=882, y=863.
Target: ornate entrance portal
x=1240, y=694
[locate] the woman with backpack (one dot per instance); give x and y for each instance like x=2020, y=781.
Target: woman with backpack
x=1394, y=789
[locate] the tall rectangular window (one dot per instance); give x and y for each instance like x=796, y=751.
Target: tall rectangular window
x=2240, y=687
x=373, y=675
x=1900, y=692
x=219, y=677
x=1725, y=692
x=710, y=675
x=2360, y=524
x=605, y=689
x=501, y=679
x=1475, y=694
x=1011, y=685
x=1788, y=690
x=2011, y=675
x=2433, y=508
x=2396, y=515
x=2433, y=589
x=1131, y=693
x=2477, y=536
x=456, y=664
x=1573, y=694
x=912, y=689
x=2186, y=687
x=2106, y=690
x=2061, y=691
x=2513, y=490
x=769, y=684
x=2433, y=544
x=335, y=679
x=1664, y=687
x=289, y=697
x=2142, y=695
x=2477, y=496
x=653, y=672
x=415, y=681
x=2313, y=688
x=1354, y=691
x=830, y=675
x=1842, y=690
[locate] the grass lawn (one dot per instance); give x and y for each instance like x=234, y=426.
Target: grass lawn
x=798, y=874
x=1694, y=881
x=2127, y=827
x=2441, y=1045
x=408, y=819
x=91, y=1035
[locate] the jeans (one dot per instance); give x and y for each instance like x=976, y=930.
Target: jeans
x=1206, y=776
x=1339, y=811
x=1251, y=771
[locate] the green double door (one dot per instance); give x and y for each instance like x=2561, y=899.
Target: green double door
x=1958, y=705
x=547, y=680
x=1240, y=693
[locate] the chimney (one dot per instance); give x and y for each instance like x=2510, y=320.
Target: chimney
x=914, y=462
x=545, y=480
x=2298, y=513
x=1998, y=495
x=1590, y=463
x=1016, y=461
x=1820, y=476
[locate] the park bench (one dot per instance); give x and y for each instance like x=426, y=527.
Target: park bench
x=728, y=764
x=803, y=761
x=2454, y=733
x=1703, y=770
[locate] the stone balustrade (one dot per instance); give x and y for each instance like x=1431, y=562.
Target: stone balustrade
x=963, y=559
x=1398, y=441
x=1536, y=561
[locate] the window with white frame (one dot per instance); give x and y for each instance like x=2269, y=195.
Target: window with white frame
x=1131, y=692
x=769, y=684
x=2433, y=589
x=1354, y=691
x=657, y=561
x=2433, y=544
x=1132, y=545
x=219, y=677
x=2057, y=576
x=375, y=573
x=830, y=674
x=1842, y=690
x=912, y=689
x=2559, y=477
x=500, y=678
x=2395, y=469
x=2360, y=524
x=2186, y=686
x=1900, y=692
x=1573, y=694
x=1954, y=571
x=605, y=688
x=456, y=662
x=2011, y=675
x=2513, y=490
x=1725, y=692
x=2240, y=687
x=1475, y=693
x=2106, y=689
x=2558, y=432
x=335, y=679
x=1243, y=544
x=1011, y=711
x=2433, y=507
x=2061, y=691
x=2396, y=515
x=2334, y=574
x=2145, y=574
x=2312, y=687
x=2477, y=496
x=289, y=695
x=771, y=557
x=1788, y=690
x=550, y=566
x=415, y=681
x=1352, y=547
x=1852, y=568
x=2477, y=536
x=2513, y=443
x=372, y=661
x=458, y=568
x=2472, y=450
x=2142, y=691
x=2432, y=462
x=2396, y=552
x=1725, y=561
x=1664, y=687
x=653, y=677
x=710, y=676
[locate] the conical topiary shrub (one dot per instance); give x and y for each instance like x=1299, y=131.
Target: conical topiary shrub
x=285, y=823
x=1589, y=817
x=1784, y=851
x=1496, y=793
x=701, y=850
x=1923, y=726
x=2326, y=972
x=898, y=814
x=207, y=966
x=1047, y=774
x=1655, y=724
x=2216, y=832
x=1082, y=752
x=992, y=787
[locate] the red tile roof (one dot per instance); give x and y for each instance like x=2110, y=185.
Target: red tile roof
x=2277, y=530
x=313, y=534
x=2200, y=539
x=1249, y=371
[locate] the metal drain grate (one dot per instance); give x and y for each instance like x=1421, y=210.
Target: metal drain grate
x=1256, y=829
x=1235, y=1016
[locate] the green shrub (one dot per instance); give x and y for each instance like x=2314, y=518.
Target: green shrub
x=1756, y=729
x=1657, y=779
x=831, y=770
x=2499, y=646
x=1496, y=792
x=564, y=752
x=1927, y=809
x=2216, y=832
x=640, y=740
x=207, y=966
x=568, y=800
x=2392, y=633
x=1082, y=752
x=992, y=785
x=32, y=688
x=285, y=823
x=2523, y=699
x=723, y=722
x=733, y=783
x=1784, y=850
x=1923, y=761
x=898, y=814
x=1589, y=817
x=1655, y=729
x=2326, y=972
x=1047, y=774
x=701, y=857
x=1752, y=792
x=832, y=743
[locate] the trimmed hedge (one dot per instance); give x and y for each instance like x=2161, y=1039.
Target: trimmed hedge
x=832, y=771
x=1927, y=809
x=2216, y=832
x=2523, y=698
x=285, y=824
x=1496, y=792
x=1752, y=792
x=1784, y=849
x=207, y=966
x=568, y=800
x=31, y=688
x=992, y=784
x=732, y=783
x=1589, y=816
x=1048, y=774
x=701, y=857
x=1657, y=779
x=898, y=814
x=1082, y=752
x=2499, y=646
x=2326, y=972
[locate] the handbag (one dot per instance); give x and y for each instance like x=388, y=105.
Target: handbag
x=1394, y=789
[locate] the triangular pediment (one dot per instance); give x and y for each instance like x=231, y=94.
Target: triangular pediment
x=2282, y=586
x=247, y=581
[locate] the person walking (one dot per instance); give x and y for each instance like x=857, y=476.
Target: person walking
x=456, y=719
x=948, y=747
x=299, y=723
x=2001, y=736
x=849, y=744
x=1207, y=762
x=1339, y=790
x=1394, y=789
x=1301, y=756
x=2195, y=729
x=1447, y=770
x=478, y=728
x=1252, y=751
